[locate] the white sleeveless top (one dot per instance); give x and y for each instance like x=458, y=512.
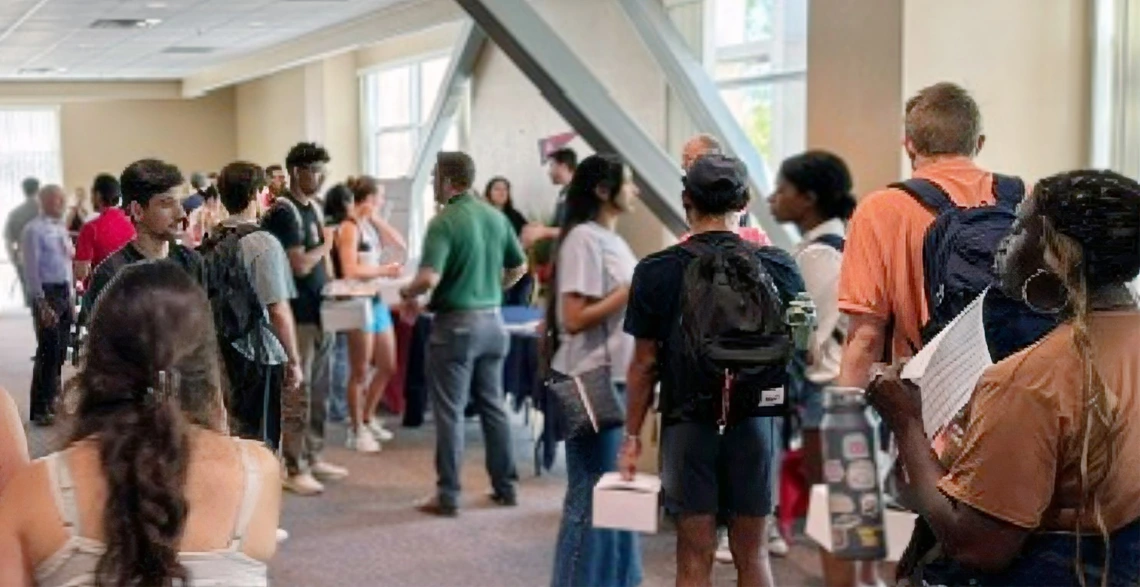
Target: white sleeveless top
x=73, y=565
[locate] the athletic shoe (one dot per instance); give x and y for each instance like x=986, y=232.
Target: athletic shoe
x=379, y=431
x=777, y=546
x=303, y=484
x=723, y=553
x=363, y=441
x=328, y=471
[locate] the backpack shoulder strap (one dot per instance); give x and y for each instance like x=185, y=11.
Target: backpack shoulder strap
x=832, y=240
x=1008, y=191
x=698, y=248
x=927, y=193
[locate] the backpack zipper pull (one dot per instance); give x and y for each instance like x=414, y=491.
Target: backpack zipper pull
x=723, y=420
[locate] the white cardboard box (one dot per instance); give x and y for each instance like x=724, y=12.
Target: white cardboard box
x=342, y=315
x=627, y=505
x=899, y=525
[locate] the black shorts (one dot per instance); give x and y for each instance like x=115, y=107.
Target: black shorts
x=706, y=473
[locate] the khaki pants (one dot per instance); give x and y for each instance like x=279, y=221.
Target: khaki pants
x=303, y=409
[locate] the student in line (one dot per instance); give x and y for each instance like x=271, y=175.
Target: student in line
x=593, y=268
x=498, y=193
x=150, y=489
x=1042, y=488
x=813, y=192
x=707, y=472
x=360, y=243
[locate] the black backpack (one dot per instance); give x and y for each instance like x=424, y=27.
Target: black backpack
x=958, y=265
x=237, y=310
x=732, y=343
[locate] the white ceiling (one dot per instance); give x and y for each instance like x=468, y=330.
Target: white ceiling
x=56, y=34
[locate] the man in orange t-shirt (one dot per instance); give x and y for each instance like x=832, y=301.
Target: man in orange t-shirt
x=881, y=286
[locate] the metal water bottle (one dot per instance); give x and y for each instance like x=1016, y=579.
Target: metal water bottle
x=801, y=317
x=854, y=495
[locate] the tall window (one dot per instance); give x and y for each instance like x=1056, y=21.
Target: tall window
x=760, y=64
x=397, y=104
x=29, y=147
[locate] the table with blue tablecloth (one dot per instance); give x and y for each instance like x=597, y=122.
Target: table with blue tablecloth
x=521, y=380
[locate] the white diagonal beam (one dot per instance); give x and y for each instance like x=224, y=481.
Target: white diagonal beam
x=553, y=67
x=696, y=89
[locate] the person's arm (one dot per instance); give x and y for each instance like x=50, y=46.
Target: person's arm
x=514, y=260
x=645, y=322
x=346, y=243
x=580, y=313
x=389, y=236
x=1015, y=439
x=29, y=246
x=581, y=288
x=425, y=280
x=84, y=252
x=866, y=339
x=283, y=224
x=15, y=566
x=13, y=442
x=535, y=232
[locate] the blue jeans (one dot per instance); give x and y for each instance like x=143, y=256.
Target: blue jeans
x=585, y=555
x=1047, y=559
x=466, y=351
x=338, y=394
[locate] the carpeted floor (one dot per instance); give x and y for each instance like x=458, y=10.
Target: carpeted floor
x=365, y=530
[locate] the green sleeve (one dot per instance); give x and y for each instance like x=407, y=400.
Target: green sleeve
x=437, y=247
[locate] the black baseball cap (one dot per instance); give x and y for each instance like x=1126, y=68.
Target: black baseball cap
x=715, y=173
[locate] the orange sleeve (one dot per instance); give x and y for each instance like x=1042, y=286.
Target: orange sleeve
x=864, y=278
x=1009, y=457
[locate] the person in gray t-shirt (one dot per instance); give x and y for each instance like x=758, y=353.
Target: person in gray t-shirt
x=593, y=270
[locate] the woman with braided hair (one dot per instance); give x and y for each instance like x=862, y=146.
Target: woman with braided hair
x=1043, y=485
x=150, y=491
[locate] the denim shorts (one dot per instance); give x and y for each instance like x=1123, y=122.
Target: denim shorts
x=708, y=473
x=381, y=318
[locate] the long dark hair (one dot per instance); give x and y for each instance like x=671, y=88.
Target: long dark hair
x=603, y=171
x=152, y=326
x=510, y=203
x=338, y=200
x=826, y=176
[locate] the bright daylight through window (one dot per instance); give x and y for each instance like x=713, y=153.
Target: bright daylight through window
x=760, y=66
x=396, y=108
x=29, y=147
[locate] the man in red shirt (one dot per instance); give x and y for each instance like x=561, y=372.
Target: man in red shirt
x=106, y=234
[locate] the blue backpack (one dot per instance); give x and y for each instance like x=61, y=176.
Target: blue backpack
x=958, y=264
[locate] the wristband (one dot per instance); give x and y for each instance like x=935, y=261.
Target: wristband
x=634, y=437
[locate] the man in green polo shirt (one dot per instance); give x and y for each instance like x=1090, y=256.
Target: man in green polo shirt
x=470, y=256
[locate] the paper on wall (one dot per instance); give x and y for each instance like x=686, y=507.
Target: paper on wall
x=948, y=368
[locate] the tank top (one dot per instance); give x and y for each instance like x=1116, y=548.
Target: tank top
x=74, y=564
x=369, y=248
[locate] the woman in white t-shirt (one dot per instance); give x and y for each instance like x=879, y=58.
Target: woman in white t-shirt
x=593, y=270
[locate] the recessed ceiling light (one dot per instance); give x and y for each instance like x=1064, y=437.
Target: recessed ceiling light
x=156, y=4
x=125, y=23
x=256, y=24
x=40, y=70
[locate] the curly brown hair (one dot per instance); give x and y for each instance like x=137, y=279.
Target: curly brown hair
x=150, y=373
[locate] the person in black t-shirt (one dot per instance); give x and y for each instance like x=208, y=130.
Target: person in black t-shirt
x=704, y=473
x=150, y=196
x=296, y=220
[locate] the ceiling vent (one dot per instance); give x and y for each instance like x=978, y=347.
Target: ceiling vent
x=125, y=23
x=189, y=50
x=39, y=70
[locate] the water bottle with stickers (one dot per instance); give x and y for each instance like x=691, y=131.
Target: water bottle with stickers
x=854, y=496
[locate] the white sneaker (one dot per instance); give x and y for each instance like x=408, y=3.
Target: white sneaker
x=376, y=427
x=282, y=535
x=328, y=471
x=364, y=441
x=723, y=554
x=303, y=484
x=777, y=546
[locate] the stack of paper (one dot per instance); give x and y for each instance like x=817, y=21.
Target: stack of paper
x=948, y=368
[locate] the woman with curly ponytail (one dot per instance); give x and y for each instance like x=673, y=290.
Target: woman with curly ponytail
x=150, y=491
x=1044, y=486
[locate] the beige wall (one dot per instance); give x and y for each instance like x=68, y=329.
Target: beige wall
x=854, y=86
x=509, y=116
x=106, y=136
x=270, y=114
x=1028, y=66
x=341, y=115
